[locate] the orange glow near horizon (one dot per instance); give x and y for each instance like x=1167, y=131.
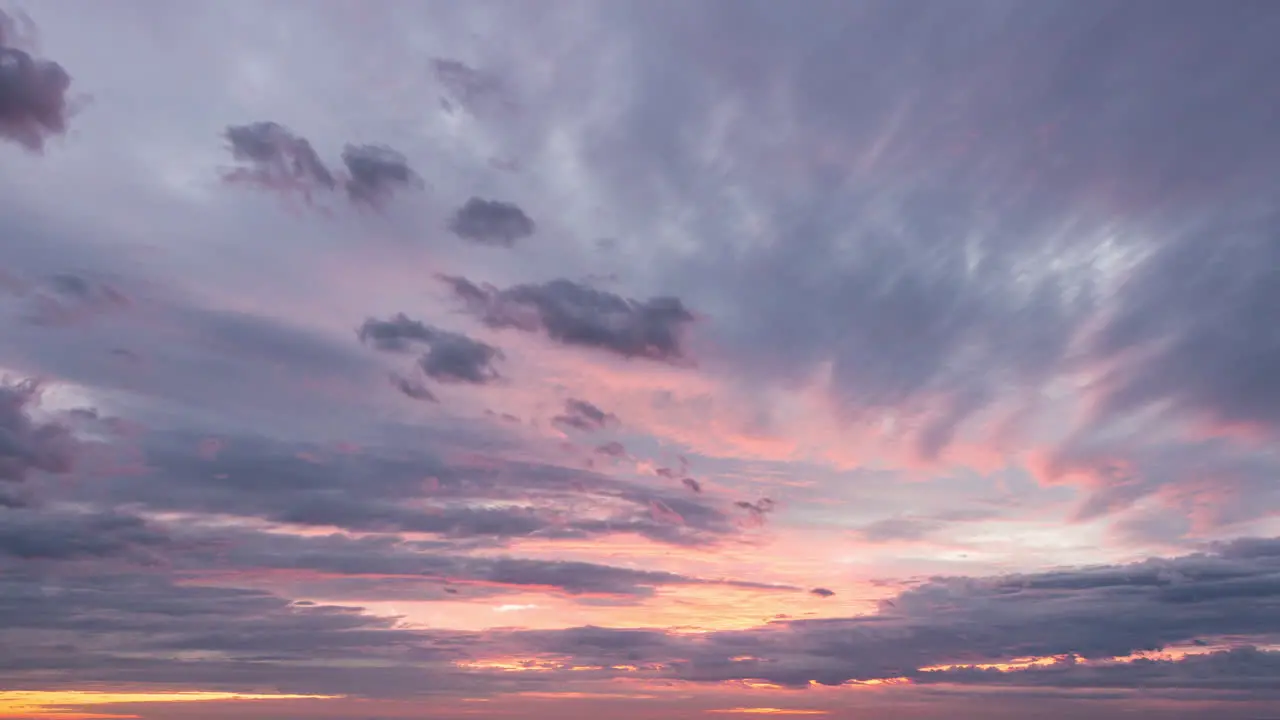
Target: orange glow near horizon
x=53, y=704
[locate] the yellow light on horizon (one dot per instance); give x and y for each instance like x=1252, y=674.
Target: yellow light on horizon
x=54, y=704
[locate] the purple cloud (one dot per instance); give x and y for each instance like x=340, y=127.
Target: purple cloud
x=584, y=416
x=450, y=358
x=33, y=92
x=28, y=445
x=491, y=222
x=571, y=313
x=376, y=172
x=275, y=158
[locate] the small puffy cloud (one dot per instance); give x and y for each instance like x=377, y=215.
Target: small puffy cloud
x=572, y=313
x=396, y=334
x=272, y=156
x=375, y=172
x=454, y=357
x=33, y=91
x=584, y=416
x=491, y=222
x=412, y=388
x=450, y=357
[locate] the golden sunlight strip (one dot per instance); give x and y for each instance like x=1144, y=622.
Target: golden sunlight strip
x=54, y=704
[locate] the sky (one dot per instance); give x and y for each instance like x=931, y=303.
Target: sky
x=708, y=359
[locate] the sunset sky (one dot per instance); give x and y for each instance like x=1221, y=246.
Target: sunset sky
x=542, y=359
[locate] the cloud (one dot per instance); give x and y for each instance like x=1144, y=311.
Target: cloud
x=31, y=534
x=333, y=566
x=454, y=357
x=1213, y=482
x=276, y=158
x=136, y=628
x=375, y=172
x=491, y=222
x=412, y=388
x=571, y=313
x=395, y=334
x=1244, y=669
x=584, y=416
x=1194, y=321
x=33, y=91
x=1095, y=613
x=368, y=565
x=65, y=299
x=479, y=91
x=398, y=489
x=613, y=449
x=451, y=357
x=29, y=445
x=893, y=256
x=942, y=226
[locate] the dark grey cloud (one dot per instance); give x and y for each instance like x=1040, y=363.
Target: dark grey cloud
x=396, y=334
x=42, y=534
x=454, y=357
x=33, y=91
x=822, y=592
x=358, y=567
x=141, y=628
x=571, y=313
x=376, y=172
x=450, y=357
x=491, y=222
x=1093, y=613
x=391, y=489
x=276, y=158
x=584, y=416
x=1242, y=670
x=27, y=444
x=757, y=509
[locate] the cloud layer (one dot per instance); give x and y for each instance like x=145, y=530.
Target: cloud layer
x=708, y=358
